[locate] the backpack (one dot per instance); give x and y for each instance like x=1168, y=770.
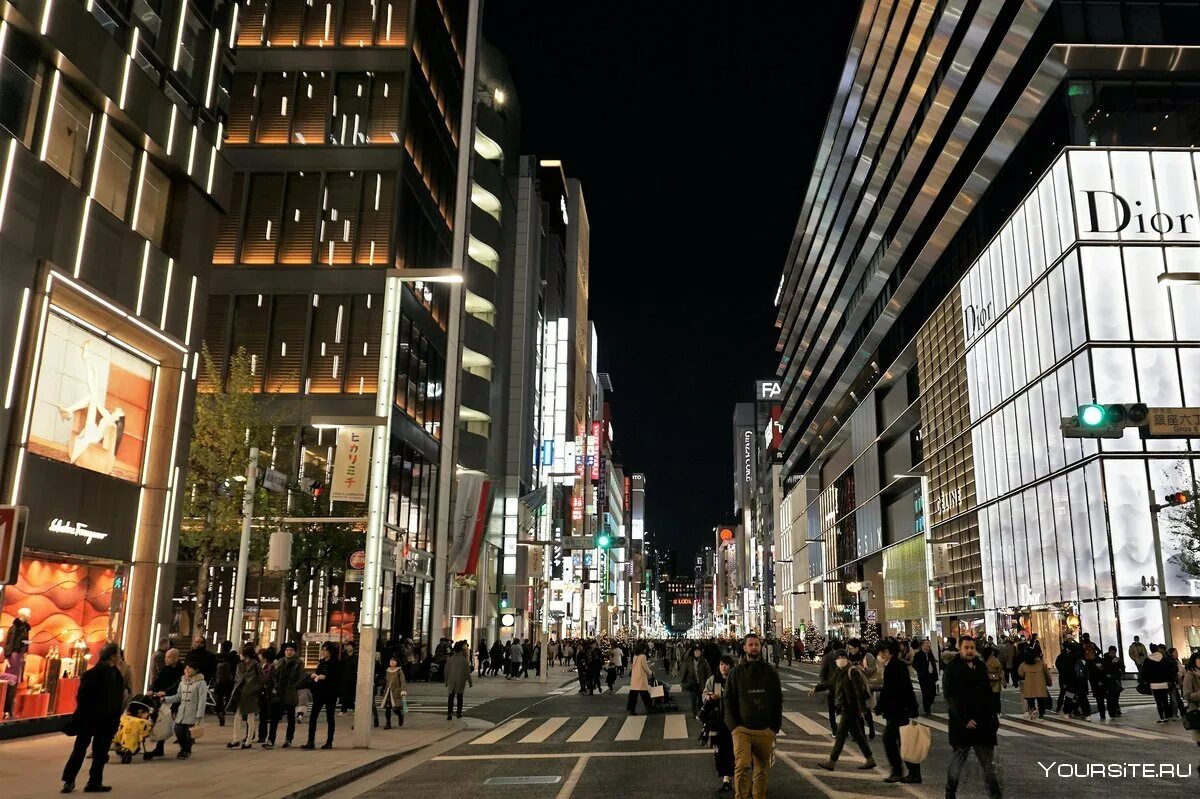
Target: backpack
x=1080, y=670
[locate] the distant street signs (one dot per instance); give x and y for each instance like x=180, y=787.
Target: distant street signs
x=358, y=559
x=578, y=542
x=13, y=519
x=1172, y=423
x=274, y=481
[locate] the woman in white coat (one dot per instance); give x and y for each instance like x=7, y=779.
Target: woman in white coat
x=639, y=681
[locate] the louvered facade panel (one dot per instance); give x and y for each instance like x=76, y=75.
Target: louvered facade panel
x=298, y=230
x=340, y=220
x=285, y=353
x=366, y=325
x=250, y=324
x=262, y=219
x=312, y=109
x=375, y=231
x=241, y=109
x=275, y=108
x=285, y=22
x=327, y=347
x=387, y=97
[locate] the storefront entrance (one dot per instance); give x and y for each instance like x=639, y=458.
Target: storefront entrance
x=1185, y=627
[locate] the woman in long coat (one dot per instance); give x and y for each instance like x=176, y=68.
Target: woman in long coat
x=394, y=690
x=244, y=699
x=1035, y=684
x=639, y=681
x=458, y=677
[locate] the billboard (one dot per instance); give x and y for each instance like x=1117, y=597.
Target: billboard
x=91, y=404
x=351, y=465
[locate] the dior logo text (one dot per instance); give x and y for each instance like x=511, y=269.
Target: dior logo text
x=1130, y=215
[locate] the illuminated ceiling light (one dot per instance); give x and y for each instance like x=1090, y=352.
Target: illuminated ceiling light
x=499, y=96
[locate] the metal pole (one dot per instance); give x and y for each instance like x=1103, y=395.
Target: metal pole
x=239, y=590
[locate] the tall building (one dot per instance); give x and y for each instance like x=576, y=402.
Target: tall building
x=986, y=243
x=344, y=131
x=111, y=183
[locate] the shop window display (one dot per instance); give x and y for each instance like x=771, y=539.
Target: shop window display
x=54, y=619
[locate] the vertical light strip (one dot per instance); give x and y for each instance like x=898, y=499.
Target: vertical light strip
x=98, y=157
x=142, y=279
x=171, y=131
x=212, y=67
x=3, y=35
x=212, y=167
x=16, y=351
x=49, y=117
x=7, y=179
x=133, y=46
x=187, y=333
x=137, y=197
x=33, y=373
x=192, y=151
x=233, y=22
x=172, y=489
x=183, y=9
x=83, y=225
x=162, y=319
x=45, y=26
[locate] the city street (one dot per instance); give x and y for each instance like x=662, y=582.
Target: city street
x=562, y=744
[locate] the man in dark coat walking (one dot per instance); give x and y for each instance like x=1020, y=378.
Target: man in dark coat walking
x=973, y=720
x=925, y=663
x=97, y=716
x=897, y=704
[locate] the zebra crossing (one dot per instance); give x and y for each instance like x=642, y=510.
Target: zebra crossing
x=788, y=687
x=797, y=727
x=437, y=704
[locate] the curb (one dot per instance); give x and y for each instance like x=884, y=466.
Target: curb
x=358, y=772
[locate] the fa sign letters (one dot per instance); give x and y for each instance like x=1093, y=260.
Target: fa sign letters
x=769, y=389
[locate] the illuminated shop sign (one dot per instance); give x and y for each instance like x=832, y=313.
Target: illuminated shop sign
x=87, y=514
x=768, y=389
x=80, y=529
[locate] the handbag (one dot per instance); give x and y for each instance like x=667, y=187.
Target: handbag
x=915, y=740
x=1191, y=720
x=404, y=705
x=197, y=732
x=657, y=691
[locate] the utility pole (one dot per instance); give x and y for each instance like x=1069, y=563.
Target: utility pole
x=239, y=590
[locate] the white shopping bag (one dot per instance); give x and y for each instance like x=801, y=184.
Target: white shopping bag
x=657, y=692
x=915, y=740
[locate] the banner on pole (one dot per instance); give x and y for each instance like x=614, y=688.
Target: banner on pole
x=351, y=465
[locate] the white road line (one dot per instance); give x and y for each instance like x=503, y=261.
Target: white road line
x=1003, y=733
x=934, y=724
x=1036, y=727
x=545, y=730
x=676, y=727
x=631, y=730
x=1117, y=729
x=1083, y=729
x=819, y=756
x=799, y=686
x=587, y=731
x=498, y=734
x=806, y=724
x=568, y=755
x=573, y=778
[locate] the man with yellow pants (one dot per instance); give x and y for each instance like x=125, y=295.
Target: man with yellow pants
x=754, y=714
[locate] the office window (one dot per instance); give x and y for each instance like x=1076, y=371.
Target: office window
x=299, y=226
x=319, y=24
x=375, y=232
x=241, y=109
x=350, y=101
x=340, y=216
x=215, y=341
x=386, y=96
x=225, y=250
x=358, y=23
x=70, y=130
x=262, y=219
x=285, y=354
x=275, y=108
x=312, y=108
x=116, y=174
x=252, y=22
x=192, y=54
x=154, y=197
x=21, y=72
x=392, y=30
x=251, y=320
x=366, y=326
x=327, y=346
x=284, y=22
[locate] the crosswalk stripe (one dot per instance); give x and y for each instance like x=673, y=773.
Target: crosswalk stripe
x=675, y=727
x=799, y=686
x=587, y=731
x=851, y=756
x=1128, y=732
x=631, y=730
x=928, y=722
x=500, y=732
x=545, y=730
x=1081, y=730
x=806, y=724
x=1001, y=732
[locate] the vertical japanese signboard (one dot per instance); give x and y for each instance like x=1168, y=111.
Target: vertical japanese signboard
x=351, y=465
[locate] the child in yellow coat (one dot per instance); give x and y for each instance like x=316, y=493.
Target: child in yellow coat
x=135, y=728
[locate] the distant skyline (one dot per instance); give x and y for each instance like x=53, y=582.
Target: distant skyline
x=693, y=136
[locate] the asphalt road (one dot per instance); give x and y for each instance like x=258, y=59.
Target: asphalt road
x=561, y=745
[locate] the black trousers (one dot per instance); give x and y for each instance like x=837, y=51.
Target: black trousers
x=852, y=726
x=833, y=715
x=891, y=747
x=99, y=743
x=221, y=696
x=278, y=711
x=321, y=702
x=631, y=705
x=724, y=754
x=453, y=699
x=928, y=692
x=1162, y=700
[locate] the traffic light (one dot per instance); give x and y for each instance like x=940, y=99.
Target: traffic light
x=1104, y=421
x=1178, y=498
x=503, y=600
x=603, y=539
x=972, y=602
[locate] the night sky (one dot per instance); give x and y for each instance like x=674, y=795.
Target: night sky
x=693, y=128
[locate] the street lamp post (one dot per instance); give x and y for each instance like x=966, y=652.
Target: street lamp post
x=239, y=586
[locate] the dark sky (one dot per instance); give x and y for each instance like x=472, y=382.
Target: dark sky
x=693, y=127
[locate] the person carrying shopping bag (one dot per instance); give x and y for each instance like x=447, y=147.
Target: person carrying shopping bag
x=897, y=705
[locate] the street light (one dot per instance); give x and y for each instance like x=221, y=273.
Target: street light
x=854, y=586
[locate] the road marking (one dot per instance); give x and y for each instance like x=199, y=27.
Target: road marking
x=806, y=724
x=1117, y=729
x=547, y=728
x=497, y=734
x=799, y=686
x=675, y=727
x=1083, y=729
x=631, y=730
x=1000, y=731
x=573, y=778
x=587, y=731
x=934, y=724
x=1035, y=727
x=818, y=756
x=568, y=755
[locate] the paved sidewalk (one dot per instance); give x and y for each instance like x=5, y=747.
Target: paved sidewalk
x=31, y=767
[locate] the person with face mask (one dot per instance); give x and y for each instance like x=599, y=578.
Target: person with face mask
x=848, y=687
x=754, y=715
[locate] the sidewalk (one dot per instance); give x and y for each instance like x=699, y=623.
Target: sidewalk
x=31, y=767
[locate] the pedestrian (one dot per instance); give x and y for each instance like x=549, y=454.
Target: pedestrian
x=160, y=658
x=712, y=713
x=458, y=677
x=347, y=682
x=995, y=671
x=395, y=689
x=618, y=659
x=204, y=661
x=1158, y=673
x=126, y=672
x=695, y=675
x=285, y=695
x=165, y=682
x=826, y=676
x=189, y=700
x=516, y=658
x=754, y=716
x=1191, y=693
x=1035, y=684
x=610, y=675
x=481, y=655
x=224, y=677
x=897, y=705
x=1177, y=671
x=266, y=659
x=1006, y=653
x=973, y=721
x=244, y=698
x=848, y=689
x=927, y=667
x=1112, y=670
x=1138, y=653
x=325, y=684
x=95, y=721
x=864, y=661
x=595, y=665
x=496, y=658
x=639, y=681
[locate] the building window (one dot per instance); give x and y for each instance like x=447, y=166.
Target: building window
x=251, y=320
x=69, y=129
x=319, y=24
x=366, y=326
x=275, y=108
x=375, y=232
x=262, y=219
x=152, y=204
x=312, y=109
x=285, y=353
x=299, y=226
x=225, y=250
x=241, y=109
x=116, y=174
x=339, y=217
x=387, y=94
x=327, y=348
x=20, y=85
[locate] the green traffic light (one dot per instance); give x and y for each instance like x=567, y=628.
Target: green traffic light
x=603, y=541
x=1092, y=415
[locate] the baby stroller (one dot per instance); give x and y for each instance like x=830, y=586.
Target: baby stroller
x=137, y=726
x=660, y=698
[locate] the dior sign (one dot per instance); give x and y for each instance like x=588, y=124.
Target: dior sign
x=976, y=318
x=1130, y=213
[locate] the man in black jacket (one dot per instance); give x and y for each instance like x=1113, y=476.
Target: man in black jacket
x=826, y=676
x=97, y=715
x=167, y=682
x=754, y=715
x=203, y=661
x=897, y=704
x=925, y=664
x=973, y=720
